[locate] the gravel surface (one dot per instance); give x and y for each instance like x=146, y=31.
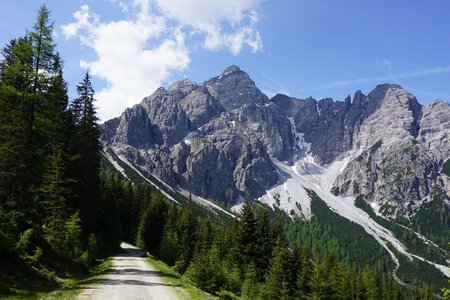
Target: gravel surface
x=130, y=278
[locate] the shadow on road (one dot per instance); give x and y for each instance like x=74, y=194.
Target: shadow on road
x=130, y=282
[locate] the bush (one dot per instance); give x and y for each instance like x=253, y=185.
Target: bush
x=72, y=237
x=24, y=243
x=37, y=254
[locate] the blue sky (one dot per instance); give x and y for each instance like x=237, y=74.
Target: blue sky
x=299, y=47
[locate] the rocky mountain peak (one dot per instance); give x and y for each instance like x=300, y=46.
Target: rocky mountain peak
x=185, y=86
x=379, y=92
x=231, y=69
x=189, y=133
x=235, y=89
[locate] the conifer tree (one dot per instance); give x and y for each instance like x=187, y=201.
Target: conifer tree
x=150, y=230
x=206, y=270
x=187, y=236
x=246, y=238
x=277, y=283
x=85, y=148
x=55, y=114
x=304, y=272
x=372, y=283
x=205, y=235
x=265, y=244
x=169, y=249
x=53, y=134
x=251, y=287
x=321, y=288
x=16, y=156
x=41, y=39
x=53, y=194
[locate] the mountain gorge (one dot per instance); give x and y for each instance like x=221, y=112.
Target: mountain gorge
x=219, y=140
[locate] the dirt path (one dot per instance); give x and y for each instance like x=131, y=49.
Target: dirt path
x=130, y=278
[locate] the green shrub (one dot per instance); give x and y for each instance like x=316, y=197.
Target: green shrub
x=24, y=243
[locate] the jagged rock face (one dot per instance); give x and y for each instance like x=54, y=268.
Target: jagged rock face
x=396, y=168
x=389, y=174
x=271, y=125
x=234, y=89
x=217, y=139
x=330, y=125
x=214, y=139
x=321, y=122
x=434, y=132
x=226, y=163
x=396, y=118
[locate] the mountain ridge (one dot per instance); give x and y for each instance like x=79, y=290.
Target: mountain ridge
x=177, y=132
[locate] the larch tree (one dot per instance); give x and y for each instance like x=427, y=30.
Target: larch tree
x=41, y=38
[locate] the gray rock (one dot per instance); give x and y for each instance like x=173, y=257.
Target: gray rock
x=216, y=140
x=402, y=146
x=234, y=89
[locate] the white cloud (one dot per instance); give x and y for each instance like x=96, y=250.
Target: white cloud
x=137, y=53
x=131, y=69
x=122, y=4
x=208, y=17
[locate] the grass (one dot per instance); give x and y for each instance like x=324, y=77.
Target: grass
x=69, y=288
x=183, y=286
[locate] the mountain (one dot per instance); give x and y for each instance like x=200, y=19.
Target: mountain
x=176, y=133
x=396, y=146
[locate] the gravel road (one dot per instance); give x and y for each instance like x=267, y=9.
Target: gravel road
x=130, y=278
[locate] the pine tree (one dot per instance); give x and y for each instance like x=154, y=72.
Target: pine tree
x=41, y=38
x=293, y=266
x=372, y=283
x=33, y=100
x=321, y=287
x=85, y=149
x=276, y=286
x=246, y=238
x=265, y=244
x=205, y=235
x=251, y=287
x=304, y=274
x=56, y=114
x=53, y=194
x=16, y=155
x=54, y=189
x=206, y=270
x=169, y=250
x=151, y=229
x=187, y=236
